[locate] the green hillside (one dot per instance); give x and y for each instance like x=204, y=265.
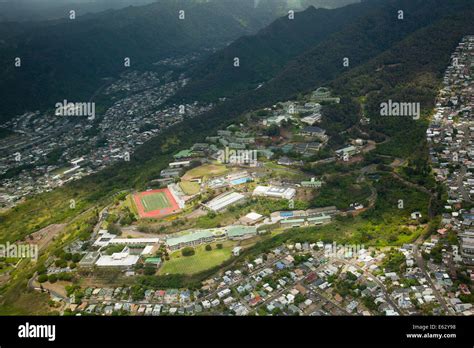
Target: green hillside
x=153, y=156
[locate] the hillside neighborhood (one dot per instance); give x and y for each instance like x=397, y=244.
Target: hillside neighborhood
x=220, y=199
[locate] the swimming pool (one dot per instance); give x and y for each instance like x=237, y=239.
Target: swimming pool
x=239, y=181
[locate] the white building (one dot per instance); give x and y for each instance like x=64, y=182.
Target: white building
x=223, y=201
x=104, y=238
x=180, y=164
x=275, y=192
x=135, y=241
x=123, y=259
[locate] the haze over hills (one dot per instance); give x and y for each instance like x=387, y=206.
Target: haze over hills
x=38, y=10
x=363, y=41
x=68, y=59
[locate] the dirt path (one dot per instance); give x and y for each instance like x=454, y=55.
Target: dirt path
x=43, y=237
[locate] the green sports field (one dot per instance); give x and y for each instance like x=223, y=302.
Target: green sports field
x=155, y=201
x=200, y=261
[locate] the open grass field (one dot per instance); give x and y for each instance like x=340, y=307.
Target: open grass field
x=129, y=202
x=155, y=203
x=206, y=170
x=59, y=171
x=189, y=187
x=285, y=172
x=27, y=303
x=200, y=261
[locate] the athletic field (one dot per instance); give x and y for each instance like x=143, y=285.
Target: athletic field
x=155, y=203
x=202, y=260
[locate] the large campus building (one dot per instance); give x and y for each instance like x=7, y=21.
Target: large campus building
x=275, y=192
x=104, y=239
x=122, y=260
x=300, y=218
x=225, y=200
x=197, y=237
x=290, y=222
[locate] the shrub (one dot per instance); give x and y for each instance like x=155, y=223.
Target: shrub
x=208, y=248
x=114, y=229
x=149, y=270
x=42, y=278
x=60, y=263
x=42, y=270
x=188, y=251
x=64, y=276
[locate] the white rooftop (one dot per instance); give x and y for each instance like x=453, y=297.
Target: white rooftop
x=253, y=216
x=117, y=260
x=132, y=241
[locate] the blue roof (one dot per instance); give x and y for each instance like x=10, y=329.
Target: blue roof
x=286, y=213
x=280, y=265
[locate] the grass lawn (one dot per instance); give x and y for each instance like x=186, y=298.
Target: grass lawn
x=273, y=165
x=59, y=171
x=189, y=188
x=285, y=172
x=200, y=261
x=206, y=170
x=155, y=201
x=129, y=202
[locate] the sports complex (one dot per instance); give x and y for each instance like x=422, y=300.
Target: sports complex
x=155, y=203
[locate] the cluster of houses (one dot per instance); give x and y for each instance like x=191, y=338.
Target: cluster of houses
x=45, y=146
x=107, y=301
x=438, y=286
x=295, y=279
x=277, y=282
x=452, y=149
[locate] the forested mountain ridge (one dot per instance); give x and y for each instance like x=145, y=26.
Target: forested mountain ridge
x=410, y=71
x=262, y=55
x=374, y=28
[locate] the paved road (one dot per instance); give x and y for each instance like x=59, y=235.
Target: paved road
x=462, y=173
x=421, y=264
